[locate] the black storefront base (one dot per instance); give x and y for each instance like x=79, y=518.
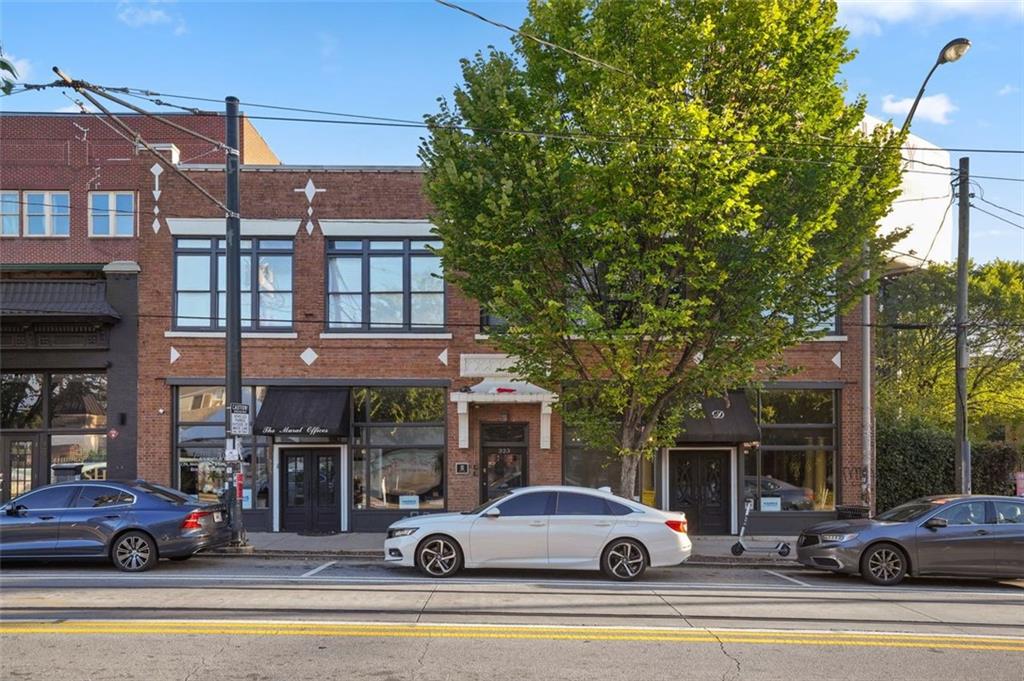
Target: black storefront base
x=785, y=523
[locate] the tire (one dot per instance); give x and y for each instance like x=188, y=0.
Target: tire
x=884, y=564
x=624, y=560
x=737, y=549
x=439, y=556
x=134, y=552
x=784, y=550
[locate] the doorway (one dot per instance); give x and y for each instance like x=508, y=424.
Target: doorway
x=699, y=485
x=19, y=454
x=310, y=490
x=503, y=458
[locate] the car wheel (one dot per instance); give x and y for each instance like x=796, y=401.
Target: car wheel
x=884, y=565
x=134, y=552
x=439, y=556
x=624, y=560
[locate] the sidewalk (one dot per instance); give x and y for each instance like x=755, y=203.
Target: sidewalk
x=707, y=549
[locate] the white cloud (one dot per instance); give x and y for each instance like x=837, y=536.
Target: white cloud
x=1007, y=89
x=138, y=15
x=869, y=17
x=934, y=108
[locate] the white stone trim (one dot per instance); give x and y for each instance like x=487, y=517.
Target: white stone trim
x=484, y=365
x=463, y=409
x=545, y=425
x=353, y=228
x=386, y=336
x=830, y=339
x=217, y=227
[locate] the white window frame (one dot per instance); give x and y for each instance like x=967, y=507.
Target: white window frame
x=17, y=213
x=47, y=213
x=112, y=214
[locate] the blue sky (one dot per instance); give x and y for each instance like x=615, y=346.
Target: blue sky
x=395, y=58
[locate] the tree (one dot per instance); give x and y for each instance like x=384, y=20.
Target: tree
x=660, y=225
x=7, y=83
x=916, y=379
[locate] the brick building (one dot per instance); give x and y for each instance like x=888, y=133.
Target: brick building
x=375, y=392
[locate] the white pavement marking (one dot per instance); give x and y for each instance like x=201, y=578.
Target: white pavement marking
x=319, y=569
x=789, y=579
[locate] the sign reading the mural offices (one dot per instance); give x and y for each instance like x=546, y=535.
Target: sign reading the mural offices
x=238, y=419
x=294, y=430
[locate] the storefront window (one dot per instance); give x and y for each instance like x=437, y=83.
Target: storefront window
x=399, y=405
x=75, y=457
x=21, y=403
x=587, y=466
x=794, y=468
x=404, y=479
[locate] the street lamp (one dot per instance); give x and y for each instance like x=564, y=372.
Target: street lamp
x=952, y=51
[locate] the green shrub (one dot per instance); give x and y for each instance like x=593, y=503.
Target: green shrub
x=917, y=460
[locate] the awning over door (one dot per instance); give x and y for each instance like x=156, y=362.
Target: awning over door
x=723, y=421
x=56, y=299
x=311, y=411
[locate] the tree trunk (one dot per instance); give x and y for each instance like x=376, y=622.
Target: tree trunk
x=627, y=478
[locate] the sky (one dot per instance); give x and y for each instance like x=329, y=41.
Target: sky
x=395, y=59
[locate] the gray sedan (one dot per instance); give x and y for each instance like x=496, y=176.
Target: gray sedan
x=132, y=524
x=972, y=536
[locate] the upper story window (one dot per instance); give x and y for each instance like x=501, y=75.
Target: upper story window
x=384, y=285
x=10, y=213
x=111, y=214
x=46, y=213
x=200, y=283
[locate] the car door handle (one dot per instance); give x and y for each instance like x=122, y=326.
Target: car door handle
x=538, y=523
x=47, y=517
x=112, y=517
x=981, y=533
x=602, y=524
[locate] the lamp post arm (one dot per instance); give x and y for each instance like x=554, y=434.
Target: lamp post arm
x=920, y=93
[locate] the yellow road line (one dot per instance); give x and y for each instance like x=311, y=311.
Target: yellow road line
x=857, y=639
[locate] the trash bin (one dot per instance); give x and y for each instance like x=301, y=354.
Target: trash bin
x=852, y=512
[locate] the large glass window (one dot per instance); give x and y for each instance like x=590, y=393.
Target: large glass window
x=398, y=462
x=111, y=214
x=584, y=465
x=200, y=275
x=78, y=400
x=81, y=456
x=794, y=468
x=47, y=213
x=384, y=284
x=21, y=401
x=10, y=214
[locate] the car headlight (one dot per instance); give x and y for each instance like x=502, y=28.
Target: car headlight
x=837, y=538
x=401, y=532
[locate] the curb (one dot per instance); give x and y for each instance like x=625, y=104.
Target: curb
x=371, y=555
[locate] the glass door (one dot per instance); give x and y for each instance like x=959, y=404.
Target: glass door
x=503, y=456
x=18, y=455
x=310, y=502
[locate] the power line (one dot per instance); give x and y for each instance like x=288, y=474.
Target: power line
x=997, y=217
x=996, y=205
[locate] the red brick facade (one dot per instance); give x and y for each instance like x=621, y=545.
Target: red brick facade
x=81, y=154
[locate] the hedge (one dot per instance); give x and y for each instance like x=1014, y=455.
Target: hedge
x=916, y=460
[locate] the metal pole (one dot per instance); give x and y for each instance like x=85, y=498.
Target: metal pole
x=962, y=465
x=233, y=332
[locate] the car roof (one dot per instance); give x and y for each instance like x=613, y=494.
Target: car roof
x=980, y=497
x=564, y=488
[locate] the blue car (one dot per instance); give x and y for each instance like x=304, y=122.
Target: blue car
x=132, y=524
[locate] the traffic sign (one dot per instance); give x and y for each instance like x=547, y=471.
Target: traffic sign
x=238, y=419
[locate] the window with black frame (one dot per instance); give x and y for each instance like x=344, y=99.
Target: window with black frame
x=587, y=466
x=398, y=456
x=200, y=283
x=384, y=285
x=794, y=467
x=199, y=446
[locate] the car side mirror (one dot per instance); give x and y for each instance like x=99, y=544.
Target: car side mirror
x=936, y=523
x=492, y=513
x=17, y=510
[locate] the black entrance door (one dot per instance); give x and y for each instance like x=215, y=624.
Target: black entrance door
x=310, y=501
x=698, y=485
x=18, y=456
x=502, y=458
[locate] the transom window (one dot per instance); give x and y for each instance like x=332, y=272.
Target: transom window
x=200, y=271
x=384, y=285
x=111, y=214
x=46, y=213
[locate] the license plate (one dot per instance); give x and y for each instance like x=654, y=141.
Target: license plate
x=217, y=516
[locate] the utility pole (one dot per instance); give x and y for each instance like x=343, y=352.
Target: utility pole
x=962, y=464
x=233, y=330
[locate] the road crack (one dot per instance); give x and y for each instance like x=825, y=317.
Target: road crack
x=721, y=645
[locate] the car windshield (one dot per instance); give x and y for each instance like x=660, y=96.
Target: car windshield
x=912, y=510
x=164, y=493
x=484, y=505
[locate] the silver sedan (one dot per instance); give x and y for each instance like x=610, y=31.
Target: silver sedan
x=970, y=536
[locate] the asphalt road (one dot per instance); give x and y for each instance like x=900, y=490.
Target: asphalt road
x=258, y=619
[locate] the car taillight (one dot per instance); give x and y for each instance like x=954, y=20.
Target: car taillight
x=677, y=525
x=193, y=520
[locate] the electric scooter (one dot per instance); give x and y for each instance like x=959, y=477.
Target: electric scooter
x=782, y=548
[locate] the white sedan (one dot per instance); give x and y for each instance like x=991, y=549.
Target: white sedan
x=556, y=527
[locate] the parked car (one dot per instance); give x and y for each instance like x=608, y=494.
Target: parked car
x=555, y=527
x=791, y=497
x=133, y=524
x=973, y=536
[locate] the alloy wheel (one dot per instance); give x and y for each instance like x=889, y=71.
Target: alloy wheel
x=625, y=560
x=439, y=557
x=132, y=552
x=885, y=565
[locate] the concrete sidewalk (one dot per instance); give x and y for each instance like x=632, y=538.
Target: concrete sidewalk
x=707, y=549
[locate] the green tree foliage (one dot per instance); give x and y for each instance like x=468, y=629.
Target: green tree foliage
x=658, y=227
x=916, y=367
x=8, y=74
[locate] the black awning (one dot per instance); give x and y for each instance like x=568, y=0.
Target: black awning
x=724, y=421
x=307, y=411
x=53, y=299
